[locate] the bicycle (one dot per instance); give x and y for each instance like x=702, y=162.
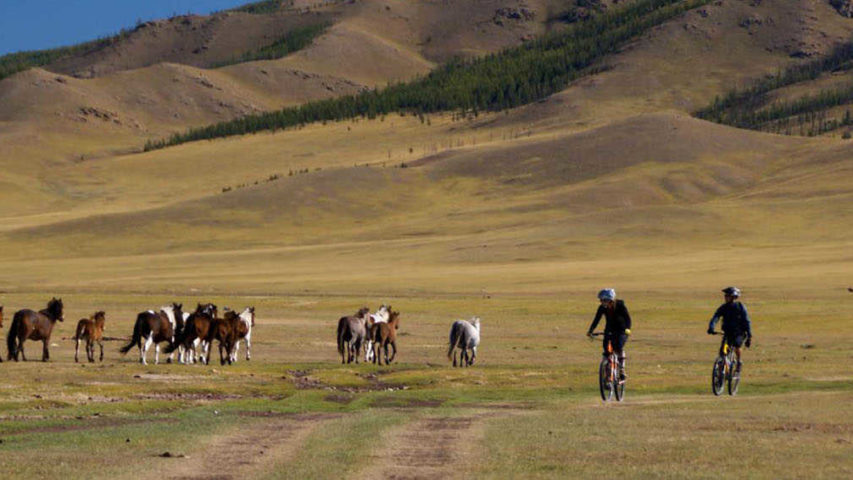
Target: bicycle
x=609, y=382
x=725, y=370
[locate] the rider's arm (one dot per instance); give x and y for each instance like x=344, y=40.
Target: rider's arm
x=627, y=318
x=746, y=320
x=598, y=314
x=714, y=319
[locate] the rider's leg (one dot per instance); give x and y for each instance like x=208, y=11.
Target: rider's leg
x=738, y=344
x=621, y=354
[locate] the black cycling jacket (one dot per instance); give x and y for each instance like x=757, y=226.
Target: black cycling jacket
x=617, y=321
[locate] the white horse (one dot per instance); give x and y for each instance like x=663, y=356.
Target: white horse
x=464, y=334
x=381, y=316
x=247, y=319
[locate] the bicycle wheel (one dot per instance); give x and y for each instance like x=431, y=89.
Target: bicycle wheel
x=718, y=377
x=604, y=384
x=734, y=381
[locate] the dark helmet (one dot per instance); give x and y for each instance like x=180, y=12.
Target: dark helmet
x=733, y=291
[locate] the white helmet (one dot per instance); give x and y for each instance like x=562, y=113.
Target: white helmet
x=607, y=294
x=733, y=291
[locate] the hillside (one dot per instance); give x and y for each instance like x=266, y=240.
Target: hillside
x=614, y=156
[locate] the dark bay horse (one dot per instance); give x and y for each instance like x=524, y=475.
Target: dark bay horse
x=225, y=330
x=386, y=334
x=194, y=336
x=352, y=332
x=154, y=328
x=92, y=330
x=27, y=324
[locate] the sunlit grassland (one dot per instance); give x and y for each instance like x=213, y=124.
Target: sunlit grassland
x=534, y=356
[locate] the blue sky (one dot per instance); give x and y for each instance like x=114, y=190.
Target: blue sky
x=38, y=24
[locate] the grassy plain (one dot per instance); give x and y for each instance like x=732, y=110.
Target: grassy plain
x=529, y=407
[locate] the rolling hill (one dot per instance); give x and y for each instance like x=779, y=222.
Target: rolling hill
x=614, y=166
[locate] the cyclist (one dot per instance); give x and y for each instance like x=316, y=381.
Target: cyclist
x=737, y=328
x=617, y=326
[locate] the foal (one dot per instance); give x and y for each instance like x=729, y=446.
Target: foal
x=27, y=324
x=92, y=330
x=386, y=334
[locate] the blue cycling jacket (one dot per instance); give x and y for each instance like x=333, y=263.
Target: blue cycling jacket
x=735, y=319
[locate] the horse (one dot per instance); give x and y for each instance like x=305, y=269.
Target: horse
x=244, y=332
x=381, y=316
x=27, y=324
x=154, y=328
x=386, y=334
x=92, y=330
x=464, y=334
x=225, y=331
x=193, y=338
x=351, y=334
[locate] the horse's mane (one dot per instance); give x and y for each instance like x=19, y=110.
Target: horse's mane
x=54, y=308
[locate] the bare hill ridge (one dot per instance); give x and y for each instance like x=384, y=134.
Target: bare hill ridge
x=612, y=164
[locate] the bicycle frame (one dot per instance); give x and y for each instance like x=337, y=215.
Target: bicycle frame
x=609, y=382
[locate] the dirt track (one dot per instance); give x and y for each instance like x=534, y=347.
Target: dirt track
x=429, y=448
x=245, y=452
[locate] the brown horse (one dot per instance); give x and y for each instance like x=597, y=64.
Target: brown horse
x=92, y=330
x=225, y=330
x=386, y=334
x=154, y=327
x=27, y=324
x=194, y=336
x=352, y=332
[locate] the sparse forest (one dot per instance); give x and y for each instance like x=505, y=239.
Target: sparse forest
x=293, y=40
x=809, y=114
x=504, y=80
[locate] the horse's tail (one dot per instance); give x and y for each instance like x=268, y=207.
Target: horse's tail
x=454, y=339
x=81, y=326
x=137, y=335
x=10, y=338
x=341, y=324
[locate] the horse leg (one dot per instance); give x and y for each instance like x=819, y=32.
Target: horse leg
x=249, y=346
x=21, y=348
x=157, y=354
x=394, y=347
x=236, y=351
x=45, y=354
x=143, y=352
x=385, y=350
x=90, y=350
x=101, y=344
x=76, y=349
x=473, y=355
